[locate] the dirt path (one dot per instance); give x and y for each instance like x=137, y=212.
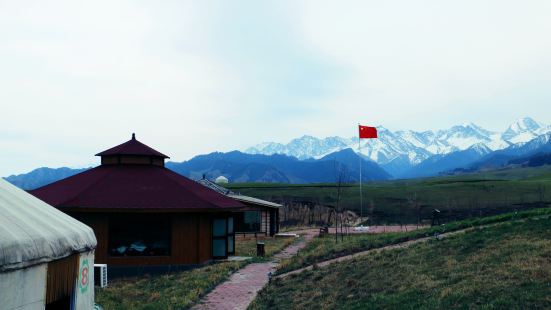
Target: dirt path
x=363, y=253
x=241, y=288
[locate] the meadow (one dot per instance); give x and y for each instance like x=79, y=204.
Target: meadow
x=412, y=201
x=321, y=249
x=501, y=266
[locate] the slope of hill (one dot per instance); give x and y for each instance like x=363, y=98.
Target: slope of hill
x=41, y=176
x=241, y=167
x=440, y=163
x=537, y=160
x=503, y=266
x=497, y=159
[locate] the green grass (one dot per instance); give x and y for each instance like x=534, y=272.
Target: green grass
x=504, y=266
x=457, y=197
x=179, y=290
x=321, y=249
x=271, y=246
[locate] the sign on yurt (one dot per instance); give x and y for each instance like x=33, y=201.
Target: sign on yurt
x=46, y=256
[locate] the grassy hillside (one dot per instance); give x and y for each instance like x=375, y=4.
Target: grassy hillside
x=321, y=249
x=506, y=266
x=457, y=197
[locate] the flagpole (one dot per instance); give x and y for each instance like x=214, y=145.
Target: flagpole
x=361, y=193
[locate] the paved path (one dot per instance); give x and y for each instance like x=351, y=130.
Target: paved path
x=241, y=288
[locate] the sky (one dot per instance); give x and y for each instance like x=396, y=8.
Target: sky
x=193, y=77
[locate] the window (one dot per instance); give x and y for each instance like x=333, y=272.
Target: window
x=223, y=237
x=248, y=221
x=139, y=236
x=219, y=233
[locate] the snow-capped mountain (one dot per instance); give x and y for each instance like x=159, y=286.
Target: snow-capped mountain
x=302, y=148
x=401, y=150
x=524, y=130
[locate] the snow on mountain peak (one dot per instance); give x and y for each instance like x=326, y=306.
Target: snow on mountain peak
x=523, y=130
x=526, y=123
x=480, y=148
x=410, y=145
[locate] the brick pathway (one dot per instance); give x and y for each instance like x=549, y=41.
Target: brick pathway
x=241, y=288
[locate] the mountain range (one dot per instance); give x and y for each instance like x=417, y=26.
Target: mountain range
x=400, y=154
x=241, y=167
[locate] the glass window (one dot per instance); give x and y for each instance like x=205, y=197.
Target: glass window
x=249, y=221
x=139, y=236
x=230, y=225
x=219, y=228
x=219, y=247
x=230, y=244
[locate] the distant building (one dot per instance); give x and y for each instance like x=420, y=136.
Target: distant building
x=261, y=216
x=46, y=257
x=145, y=214
x=221, y=180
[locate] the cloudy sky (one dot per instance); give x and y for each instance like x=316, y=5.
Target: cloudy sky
x=191, y=77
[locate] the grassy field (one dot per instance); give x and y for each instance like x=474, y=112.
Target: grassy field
x=178, y=290
x=458, y=197
x=271, y=246
x=321, y=249
x=505, y=266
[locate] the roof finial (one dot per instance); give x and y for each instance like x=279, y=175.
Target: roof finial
x=133, y=136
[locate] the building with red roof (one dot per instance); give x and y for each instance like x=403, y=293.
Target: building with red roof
x=145, y=214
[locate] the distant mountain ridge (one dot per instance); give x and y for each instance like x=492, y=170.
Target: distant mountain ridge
x=42, y=176
x=401, y=154
x=241, y=167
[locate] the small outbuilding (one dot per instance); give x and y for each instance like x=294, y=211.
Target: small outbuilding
x=46, y=257
x=259, y=217
x=144, y=214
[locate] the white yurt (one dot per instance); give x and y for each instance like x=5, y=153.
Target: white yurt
x=46, y=256
x=221, y=180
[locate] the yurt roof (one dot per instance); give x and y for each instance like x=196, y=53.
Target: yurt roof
x=33, y=232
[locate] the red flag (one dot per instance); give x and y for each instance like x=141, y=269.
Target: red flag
x=367, y=132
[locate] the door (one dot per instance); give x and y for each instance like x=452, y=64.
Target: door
x=219, y=238
x=223, y=237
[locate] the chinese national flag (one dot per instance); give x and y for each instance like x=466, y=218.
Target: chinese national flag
x=368, y=132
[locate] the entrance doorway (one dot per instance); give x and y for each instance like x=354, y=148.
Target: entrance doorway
x=223, y=238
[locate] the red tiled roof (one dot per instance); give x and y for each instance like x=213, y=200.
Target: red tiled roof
x=132, y=147
x=132, y=187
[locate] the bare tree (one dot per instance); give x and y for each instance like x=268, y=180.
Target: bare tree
x=541, y=194
x=371, y=210
x=414, y=203
x=340, y=178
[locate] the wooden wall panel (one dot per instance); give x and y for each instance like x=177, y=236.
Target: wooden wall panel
x=184, y=239
x=100, y=225
x=205, y=238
